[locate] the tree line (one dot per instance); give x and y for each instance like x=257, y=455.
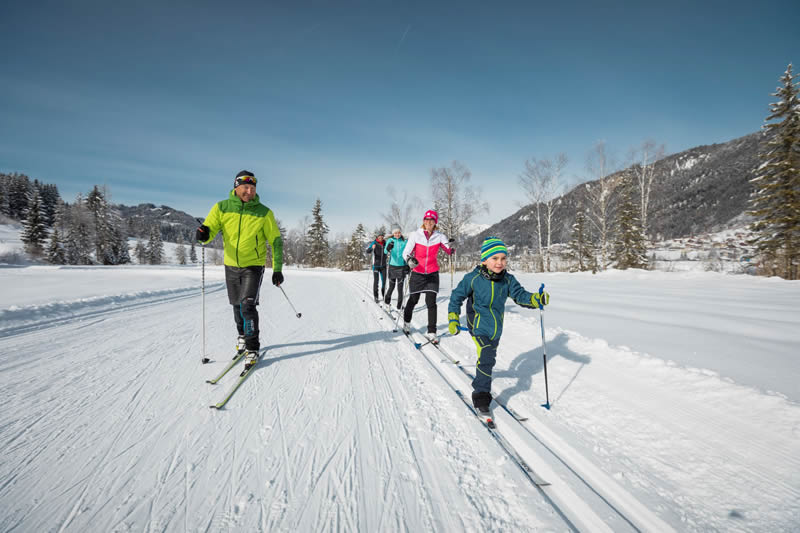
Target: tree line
x=609, y=226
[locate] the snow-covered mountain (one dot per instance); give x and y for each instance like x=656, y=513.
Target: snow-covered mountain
x=704, y=189
x=674, y=405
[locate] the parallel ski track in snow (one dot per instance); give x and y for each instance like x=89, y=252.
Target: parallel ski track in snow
x=92, y=308
x=525, y=437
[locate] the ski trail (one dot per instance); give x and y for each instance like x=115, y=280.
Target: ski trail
x=340, y=427
x=689, y=429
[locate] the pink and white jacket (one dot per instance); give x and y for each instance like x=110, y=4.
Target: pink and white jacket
x=425, y=248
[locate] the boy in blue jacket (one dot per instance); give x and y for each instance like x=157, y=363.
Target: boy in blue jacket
x=486, y=289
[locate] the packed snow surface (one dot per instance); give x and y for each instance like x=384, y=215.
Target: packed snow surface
x=675, y=393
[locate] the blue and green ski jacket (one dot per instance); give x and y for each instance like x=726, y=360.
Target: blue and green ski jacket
x=486, y=300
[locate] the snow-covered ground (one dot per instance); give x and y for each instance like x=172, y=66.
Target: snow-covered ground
x=674, y=403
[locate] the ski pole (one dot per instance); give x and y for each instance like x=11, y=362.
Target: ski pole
x=290, y=302
x=369, y=277
x=544, y=348
x=419, y=345
x=205, y=359
x=403, y=302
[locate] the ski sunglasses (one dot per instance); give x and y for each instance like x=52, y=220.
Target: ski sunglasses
x=250, y=180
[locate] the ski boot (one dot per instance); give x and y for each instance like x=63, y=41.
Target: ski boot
x=432, y=338
x=240, y=346
x=486, y=416
x=481, y=401
x=406, y=327
x=250, y=359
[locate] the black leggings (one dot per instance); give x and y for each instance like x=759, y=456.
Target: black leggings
x=400, y=282
x=380, y=272
x=430, y=301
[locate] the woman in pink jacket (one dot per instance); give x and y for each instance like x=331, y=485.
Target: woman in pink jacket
x=421, y=253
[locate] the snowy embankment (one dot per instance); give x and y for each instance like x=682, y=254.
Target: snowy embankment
x=679, y=389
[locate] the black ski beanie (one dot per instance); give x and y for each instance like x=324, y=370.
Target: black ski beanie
x=245, y=176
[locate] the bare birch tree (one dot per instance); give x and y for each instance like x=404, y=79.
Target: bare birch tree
x=543, y=183
x=402, y=211
x=643, y=167
x=600, y=195
x=456, y=202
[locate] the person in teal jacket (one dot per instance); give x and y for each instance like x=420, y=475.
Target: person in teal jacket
x=397, y=266
x=486, y=289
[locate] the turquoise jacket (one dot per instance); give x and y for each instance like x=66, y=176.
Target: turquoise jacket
x=396, y=253
x=486, y=300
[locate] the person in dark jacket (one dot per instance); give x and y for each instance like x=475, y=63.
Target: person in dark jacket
x=397, y=266
x=486, y=289
x=378, y=266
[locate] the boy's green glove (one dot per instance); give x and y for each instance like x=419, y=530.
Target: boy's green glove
x=452, y=327
x=540, y=300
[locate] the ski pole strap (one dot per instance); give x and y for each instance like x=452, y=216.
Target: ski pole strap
x=541, y=292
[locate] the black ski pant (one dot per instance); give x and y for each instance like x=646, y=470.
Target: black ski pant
x=388, y=298
x=397, y=276
x=418, y=284
x=378, y=272
x=244, y=286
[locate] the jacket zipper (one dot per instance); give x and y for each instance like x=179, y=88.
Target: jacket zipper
x=491, y=301
x=239, y=237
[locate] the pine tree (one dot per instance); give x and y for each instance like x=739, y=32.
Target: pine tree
x=96, y=205
x=140, y=251
x=155, y=247
x=35, y=232
x=580, y=249
x=4, y=180
x=354, y=254
x=180, y=251
x=78, y=247
x=55, y=250
x=192, y=252
x=630, y=250
x=775, y=202
x=50, y=202
x=18, y=191
x=118, y=246
x=316, y=238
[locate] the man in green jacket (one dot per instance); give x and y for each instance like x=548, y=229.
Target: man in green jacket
x=247, y=227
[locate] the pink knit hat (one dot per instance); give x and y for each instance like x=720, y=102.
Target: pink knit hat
x=430, y=213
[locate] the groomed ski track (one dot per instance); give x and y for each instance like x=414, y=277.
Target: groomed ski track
x=343, y=426
x=526, y=442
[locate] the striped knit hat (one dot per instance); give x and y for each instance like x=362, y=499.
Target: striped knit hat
x=492, y=246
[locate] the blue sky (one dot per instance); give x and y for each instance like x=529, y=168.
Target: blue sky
x=166, y=101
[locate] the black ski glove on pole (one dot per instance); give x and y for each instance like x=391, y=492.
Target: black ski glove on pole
x=277, y=278
x=203, y=233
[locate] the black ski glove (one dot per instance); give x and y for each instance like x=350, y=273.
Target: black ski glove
x=203, y=233
x=277, y=278
x=412, y=262
x=390, y=246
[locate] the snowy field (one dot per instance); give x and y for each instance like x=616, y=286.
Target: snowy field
x=674, y=404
